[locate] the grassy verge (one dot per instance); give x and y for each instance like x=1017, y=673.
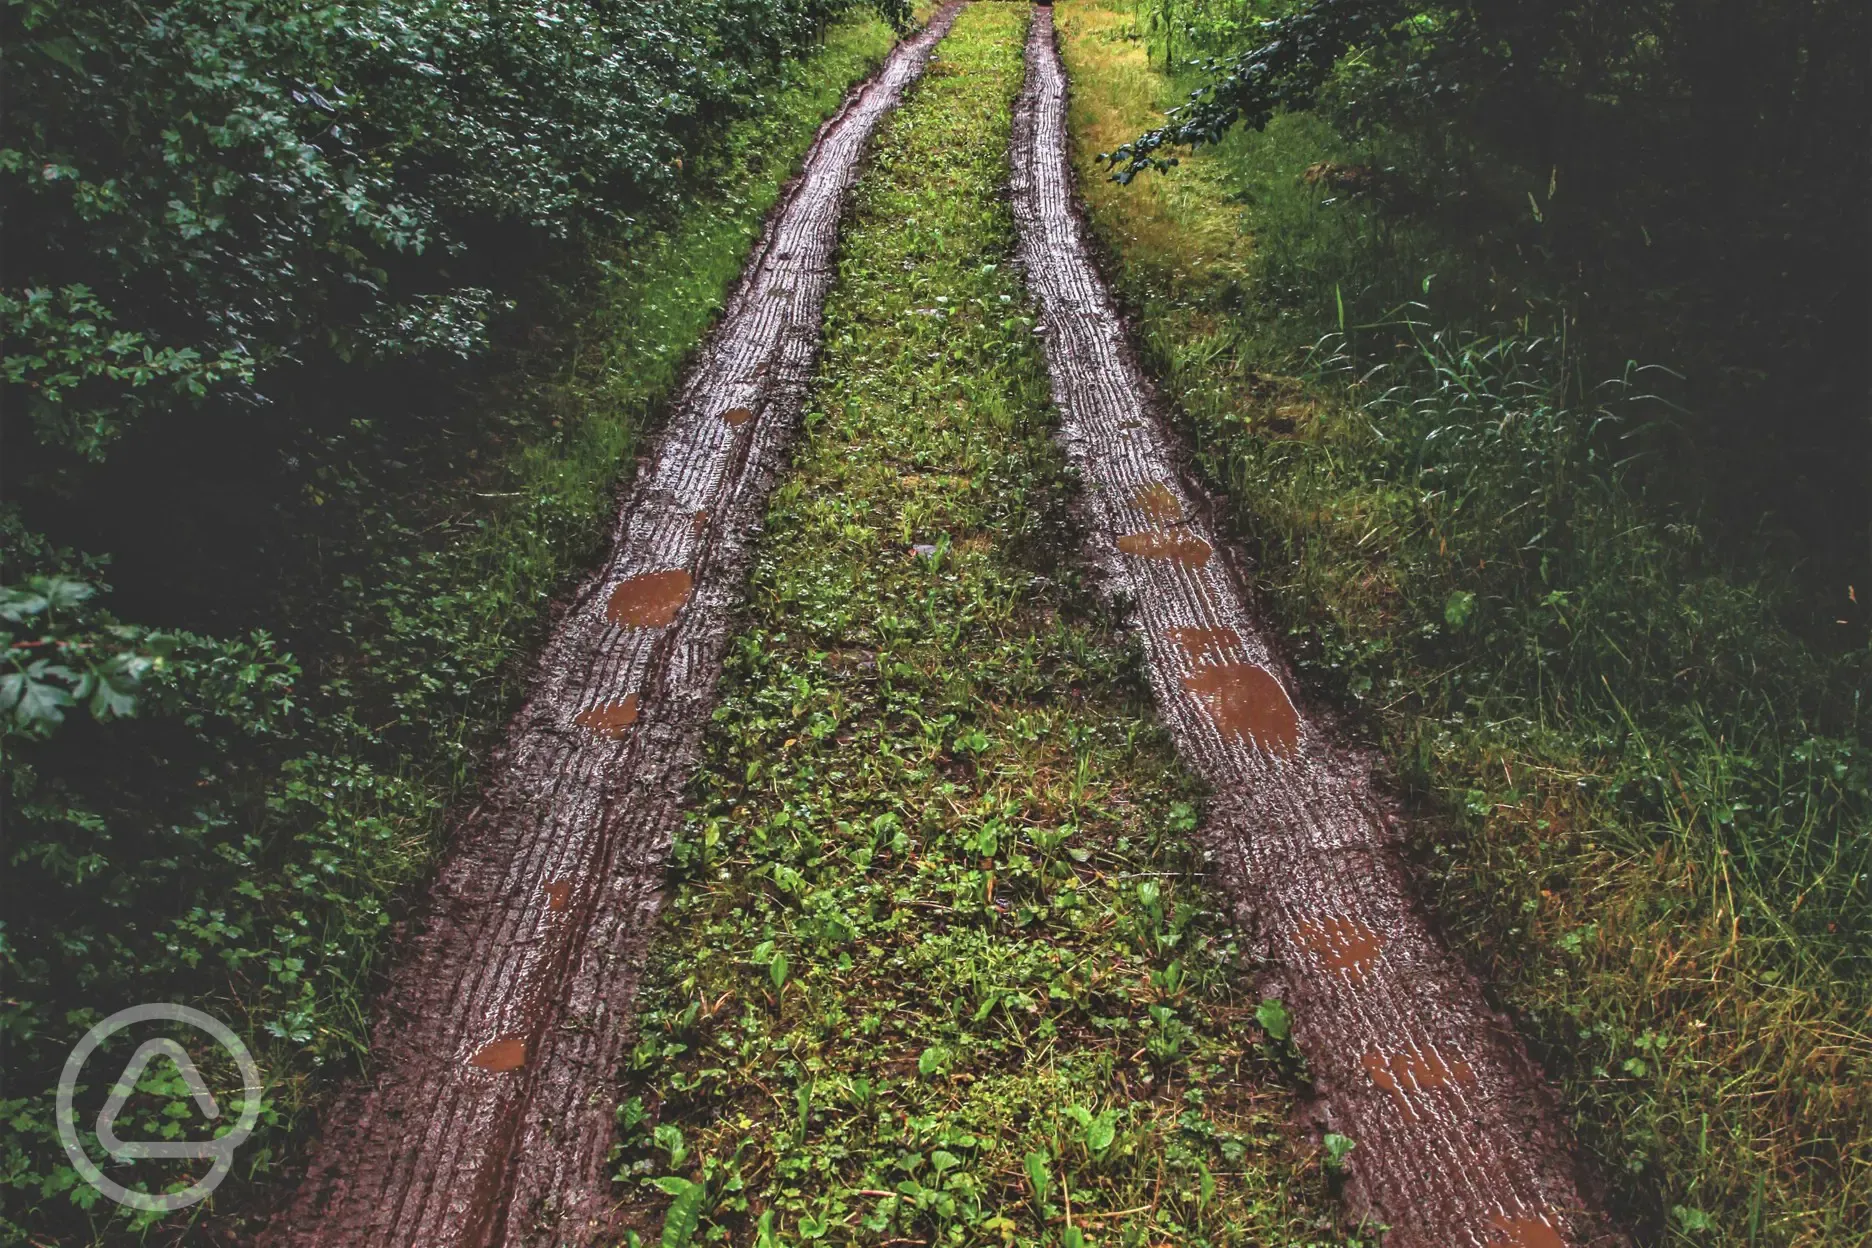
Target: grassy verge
x=251, y=857
x=939, y=967
x=1652, y=801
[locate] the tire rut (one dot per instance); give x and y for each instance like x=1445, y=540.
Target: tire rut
x=490, y=1113
x=1457, y=1139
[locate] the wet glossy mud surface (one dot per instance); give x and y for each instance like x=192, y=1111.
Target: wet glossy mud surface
x=491, y=1109
x=1457, y=1144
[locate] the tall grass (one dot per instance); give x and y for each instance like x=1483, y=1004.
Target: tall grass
x=1647, y=804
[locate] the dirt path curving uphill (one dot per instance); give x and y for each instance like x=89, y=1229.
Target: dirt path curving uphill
x=491, y=1112
x=1457, y=1144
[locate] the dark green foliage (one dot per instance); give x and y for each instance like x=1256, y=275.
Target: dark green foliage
x=196, y=190
x=1690, y=179
x=1648, y=798
x=233, y=821
x=1558, y=605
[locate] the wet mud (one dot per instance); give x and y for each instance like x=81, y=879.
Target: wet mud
x=1457, y=1142
x=650, y=600
x=1178, y=546
x=491, y=1108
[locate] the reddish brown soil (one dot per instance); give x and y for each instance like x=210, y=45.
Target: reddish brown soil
x=492, y=1106
x=1457, y=1143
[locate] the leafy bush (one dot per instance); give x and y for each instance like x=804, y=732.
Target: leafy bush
x=196, y=190
x=212, y=207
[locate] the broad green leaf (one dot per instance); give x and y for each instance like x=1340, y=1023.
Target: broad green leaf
x=1272, y=1015
x=35, y=703
x=1040, y=1175
x=63, y=591
x=1337, y=1148
x=685, y=1211
x=19, y=604
x=669, y=1138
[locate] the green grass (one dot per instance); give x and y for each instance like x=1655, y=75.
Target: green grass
x=269, y=901
x=1648, y=805
x=939, y=965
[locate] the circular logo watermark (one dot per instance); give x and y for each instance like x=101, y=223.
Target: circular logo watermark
x=221, y=1148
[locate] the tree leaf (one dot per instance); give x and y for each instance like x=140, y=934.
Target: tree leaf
x=18, y=604
x=62, y=591
x=35, y=703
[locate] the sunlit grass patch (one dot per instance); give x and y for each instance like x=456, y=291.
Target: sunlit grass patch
x=1178, y=228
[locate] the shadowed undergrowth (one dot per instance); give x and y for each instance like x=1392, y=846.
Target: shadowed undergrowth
x=1651, y=801
x=267, y=813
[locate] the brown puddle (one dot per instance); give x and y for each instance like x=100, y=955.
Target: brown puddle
x=609, y=719
x=1198, y=643
x=1155, y=500
x=507, y=1053
x=1247, y=703
x=558, y=895
x=1341, y=943
x=738, y=416
x=1524, y=1232
x=1177, y=545
x=1402, y=1074
x=651, y=600
x=699, y=522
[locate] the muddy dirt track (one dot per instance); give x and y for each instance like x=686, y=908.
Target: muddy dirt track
x=491, y=1112
x=1456, y=1143
x=492, y=1108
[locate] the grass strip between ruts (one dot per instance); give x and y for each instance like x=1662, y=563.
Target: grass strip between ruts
x=940, y=966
